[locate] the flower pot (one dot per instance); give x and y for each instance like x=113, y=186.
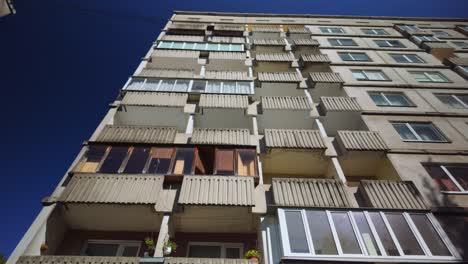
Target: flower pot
x=167, y=250
x=254, y=259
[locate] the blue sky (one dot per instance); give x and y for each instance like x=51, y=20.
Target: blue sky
x=63, y=61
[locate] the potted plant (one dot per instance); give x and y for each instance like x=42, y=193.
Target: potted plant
x=149, y=242
x=252, y=254
x=169, y=247
x=44, y=247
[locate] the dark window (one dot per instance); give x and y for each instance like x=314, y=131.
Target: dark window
x=246, y=162
x=114, y=160
x=449, y=177
x=136, y=162
x=224, y=162
x=408, y=242
x=204, y=160
x=183, y=162
x=92, y=158
x=160, y=160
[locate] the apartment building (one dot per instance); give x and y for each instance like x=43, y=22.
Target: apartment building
x=308, y=138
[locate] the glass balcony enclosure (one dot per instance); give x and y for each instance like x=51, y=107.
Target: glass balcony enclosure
x=203, y=46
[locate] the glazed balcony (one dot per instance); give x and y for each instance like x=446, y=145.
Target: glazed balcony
x=187, y=29
x=295, y=112
x=280, y=84
x=274, y=62
x=229, y=30
x=340, y=113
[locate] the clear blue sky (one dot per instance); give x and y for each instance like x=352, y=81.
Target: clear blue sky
x=63, y=61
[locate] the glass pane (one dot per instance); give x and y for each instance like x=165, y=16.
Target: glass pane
x=437, y=77
x=348, y=42
x=375, y=75
x=398, y=99
x=360, y=57
x=135, y=85
x=427, y=132
x=403, y=233
x=359, y=75
x=224, y=162
x=213, y=87
x=320, y=231
x=229, y=87
x=189, y=45
x=384, y=235
x=415, y=58
x=381, y=43
x=137, y=160
x=378, y=99
x=345, y=233
x=460, y=173
x=366, y=234
x=246, y=162
x=198, y=251
x=160, y=160
x=399, y=58
x=224, y=47
x=93, y=158
x=396, y=44
x=346, y=56
x=334, y=42
x=114, y=160
x=296, y=232
x=181, y=86
x=167, y=85
x=243, y=88
x=420, y=77
x=430, y=235
x=151, y=85
x=404, y=132
x=184, y=161
x=177, y=45
x=441, y=178
x=97, y=249
x=233, y=253
x=164, y=44
x=198, y=86
x=130, y=251
x=236, y=47
x=463, y=98
x=212, y=46
x=450, y=100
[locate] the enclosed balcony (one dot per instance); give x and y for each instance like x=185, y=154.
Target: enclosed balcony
x=148, y=108
x=174, y=59
x=325, y=84
x=187, y=29
x=340, y=113
x=213, y=110
x=274, y=62
x=230, y=30
x=301, y=147
x=228, y=61
x=279, y=84
x=314, y=63
x=295, y=112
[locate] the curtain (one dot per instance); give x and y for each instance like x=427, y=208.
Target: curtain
x=224, y=161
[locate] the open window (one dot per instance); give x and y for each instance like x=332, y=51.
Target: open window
x=160, y=160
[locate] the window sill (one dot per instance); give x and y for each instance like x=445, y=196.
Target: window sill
x=354, y=258
x=454, y=192
x=423, y=141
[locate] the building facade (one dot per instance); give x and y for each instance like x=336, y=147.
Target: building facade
x=307, y=138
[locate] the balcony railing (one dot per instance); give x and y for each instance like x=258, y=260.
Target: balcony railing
x=207, y=260
x=361, y=141
x=294, y=139
x=76, y=260
x=137, y=134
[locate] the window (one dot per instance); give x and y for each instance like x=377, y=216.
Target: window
x=449, y=177
x=354, y=56
x=360, y=235
x=421, y=38
x=441, y=33
x=215, y=250
x=114, y=159
x=160, y=160
x=92, y=158
x=109, y=248
x=418, y=131
x=137, y=160
x=409, y=27
x=224, y=161
x=200, y=46
x=407, y=58
x=461, y=44
x=333, y=30
x=183, y=162
x=389, y=43
x=369, y=75
x=342, y=42
x=241, y=162
x=454, y=100
x=246, y=165
x=374, y=31
x=390, y=99
x=429, y=76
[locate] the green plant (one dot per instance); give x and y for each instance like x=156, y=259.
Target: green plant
x=172, y=245
x=149, y=242
x=253, y=253
x=2, y=259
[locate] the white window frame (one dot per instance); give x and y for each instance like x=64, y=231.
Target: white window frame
x=428, y=38
x=365, y=255
x=121, y=243
x=383, y=94
x=408, y=27
x=418, y=137
x=375, y=31
x=223, y=246
x=458, y=46
x=452, y=178
x=363, y=72
x=407, y=58
x=444, y=34
x=203, y=46
x=389, y=44
x=350, y=54
x=454, y=96
x=427, y=74
x=341, y=44
x=329, y=30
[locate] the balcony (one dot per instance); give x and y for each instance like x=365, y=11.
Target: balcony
x=305, y=46
x=221, y=136
x=174, y=59
x=298, y=33
x=268, y=46
x=227, y=61
x=459, y=65
x=147, y=108
x=303, y=148
x=265, y=32
x=340, y=113
x=215, y=108
x=325, y=83
x=279, y=84
x=187, y=29
x=77, y=259
x=274, y=62
x=228, y=30
x=314, y=63
x=295, y=112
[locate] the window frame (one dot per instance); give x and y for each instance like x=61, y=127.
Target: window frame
x=339, y=41
x=220, y=46
x=444, y=166
x=121, y=243
x=350, y=54
x=329, y=30
x=374, y=31
x=426, y=38
x=389, y=44
x=438, y=32
x=363, y=72
x=455, y=97
x=222, y=245
x=364, y=256
x=235, y=152
x=443, y=138
x=428, y=76
x=407, y=57
x=384, y=93
x=462, y=46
